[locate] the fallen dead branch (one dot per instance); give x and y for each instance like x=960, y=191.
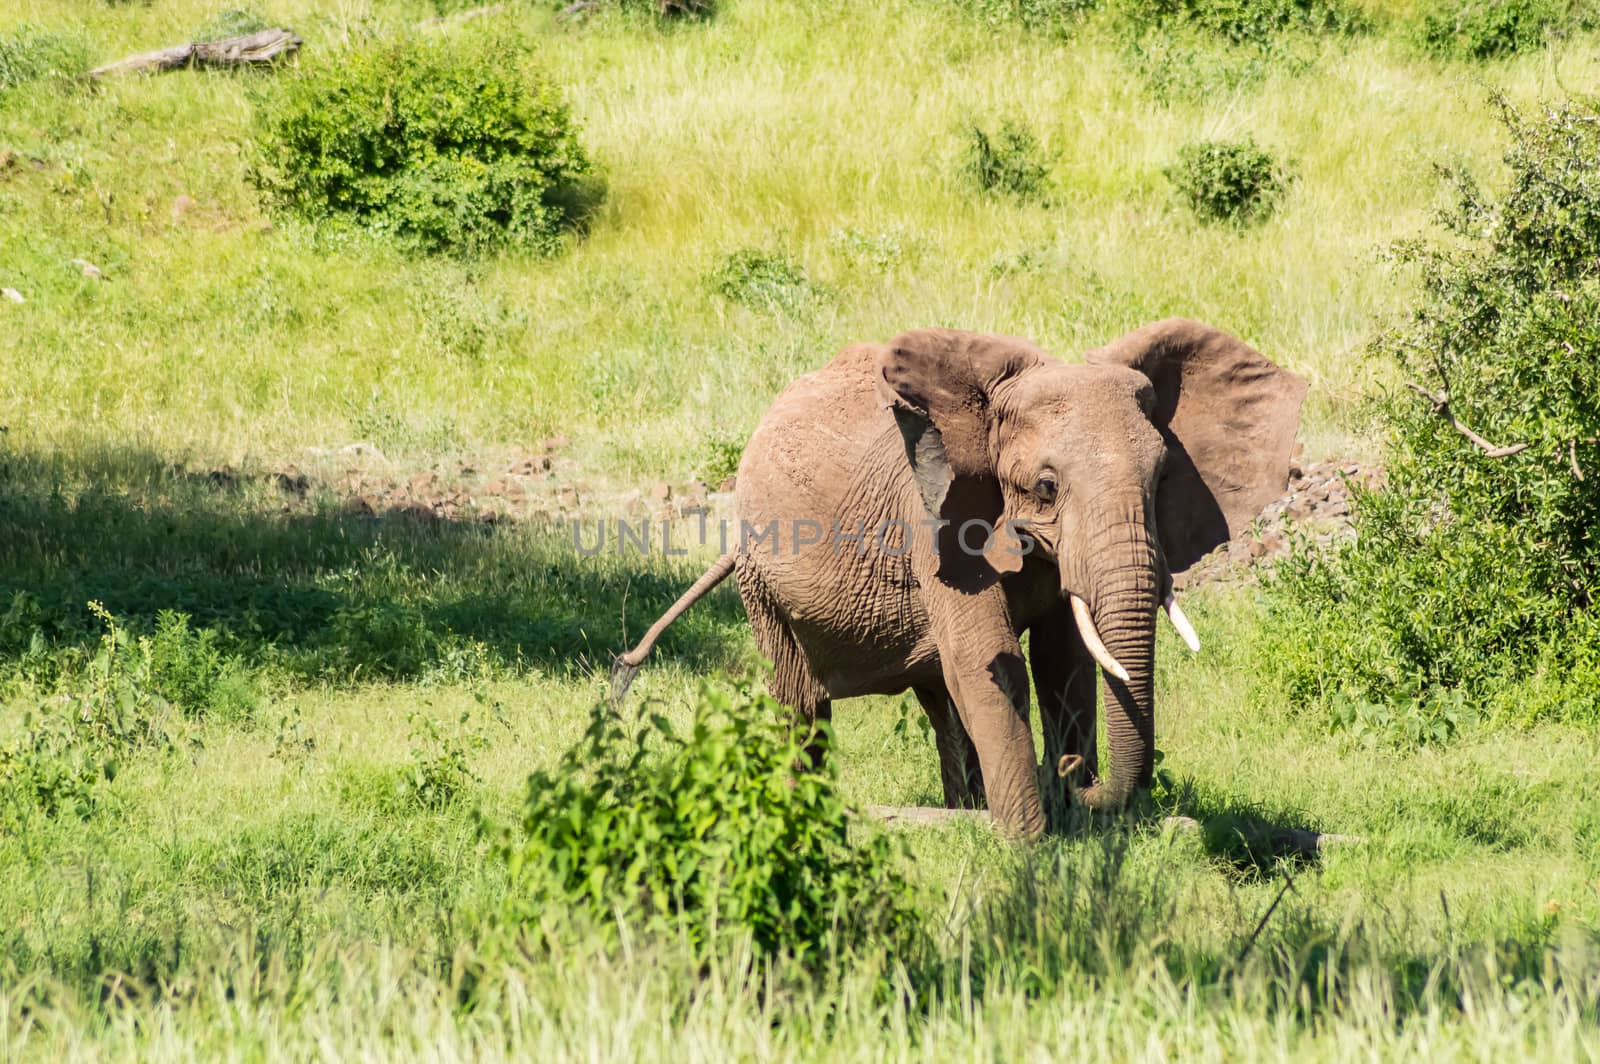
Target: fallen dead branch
x=1441, y=406
x=1301, y=842
x=253, y=49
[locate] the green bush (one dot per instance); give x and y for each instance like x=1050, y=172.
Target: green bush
x=720, y=829
x=666, y=10
x=1010, y=162
x=447, y=145
x=1487, y=29
x=191, y=669
x=440, y=771
x=232, y=22
x=29, y=54
x=1057, y=17
x=1229, y=181
x=1243, y=21
x=763, y=280
x=717, y=456
x=71, y=743
x=1475, y=573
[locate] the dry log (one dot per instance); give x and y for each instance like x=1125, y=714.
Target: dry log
x=252, y=49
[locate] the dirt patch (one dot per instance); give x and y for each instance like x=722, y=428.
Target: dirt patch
x=545, y=485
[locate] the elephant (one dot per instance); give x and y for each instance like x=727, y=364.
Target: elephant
x=908, y=511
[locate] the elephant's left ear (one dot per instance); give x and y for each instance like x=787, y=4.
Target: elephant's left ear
x=1229, y=416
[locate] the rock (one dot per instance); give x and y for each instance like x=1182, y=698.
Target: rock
x=555, y=443
x=291, y=481
x=728, y=484
x=661, y=491
x=182, y=205
x=423, y=482
x=12, y=294
x=361, y=449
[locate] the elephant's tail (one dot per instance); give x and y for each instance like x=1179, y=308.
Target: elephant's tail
x=626, y=665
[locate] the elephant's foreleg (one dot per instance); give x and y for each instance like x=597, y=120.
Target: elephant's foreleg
x=988, y=681
x=959, y=771
x=1064, y=681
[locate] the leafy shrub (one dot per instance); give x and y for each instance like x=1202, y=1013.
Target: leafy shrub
x=447, y=145
x=77, y=739
x=382, y=637
x=1055, y=17
x=232, y=22
x=440, y=770
x=1472, y=572
x=717, y=457
x=661, y=9
x=718, y=829
x=29, y=54
x=883, y=250
x=1175, y=69
x=1487, y=29
x=190, y=669
x=1228, y=181
x=763, y=280
x=1244, y=21
x=1010, y=162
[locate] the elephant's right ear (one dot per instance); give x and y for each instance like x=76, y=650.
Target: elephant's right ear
x=939, y=383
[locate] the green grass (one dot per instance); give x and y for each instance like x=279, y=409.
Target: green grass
x=260, y=886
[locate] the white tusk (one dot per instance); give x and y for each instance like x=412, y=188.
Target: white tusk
x=1181, y=623
x=1091, y=640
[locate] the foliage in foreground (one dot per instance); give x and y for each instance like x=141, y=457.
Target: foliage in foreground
x=1474, y=579
x=448, y=145
x=724, y=828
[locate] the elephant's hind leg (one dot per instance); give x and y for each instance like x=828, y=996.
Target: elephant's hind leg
x=794, y=682
x=958, y=757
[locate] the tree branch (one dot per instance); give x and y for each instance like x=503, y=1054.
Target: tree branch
x=1441, y=406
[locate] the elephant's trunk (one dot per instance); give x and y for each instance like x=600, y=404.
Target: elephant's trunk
x=1125, y=593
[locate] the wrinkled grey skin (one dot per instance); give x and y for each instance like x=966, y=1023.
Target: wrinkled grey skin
x=1103, y=479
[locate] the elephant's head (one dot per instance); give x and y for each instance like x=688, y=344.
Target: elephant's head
x=1122, y=471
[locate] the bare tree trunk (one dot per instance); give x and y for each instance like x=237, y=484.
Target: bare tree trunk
x=252, y=49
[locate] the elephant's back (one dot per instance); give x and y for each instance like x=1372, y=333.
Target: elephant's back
x=825, y=484
x=815, y=441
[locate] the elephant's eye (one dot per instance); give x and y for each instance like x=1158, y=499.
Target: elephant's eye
x=1044, y=489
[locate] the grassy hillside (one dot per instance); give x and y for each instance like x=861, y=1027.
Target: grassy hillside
x=285, y=857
